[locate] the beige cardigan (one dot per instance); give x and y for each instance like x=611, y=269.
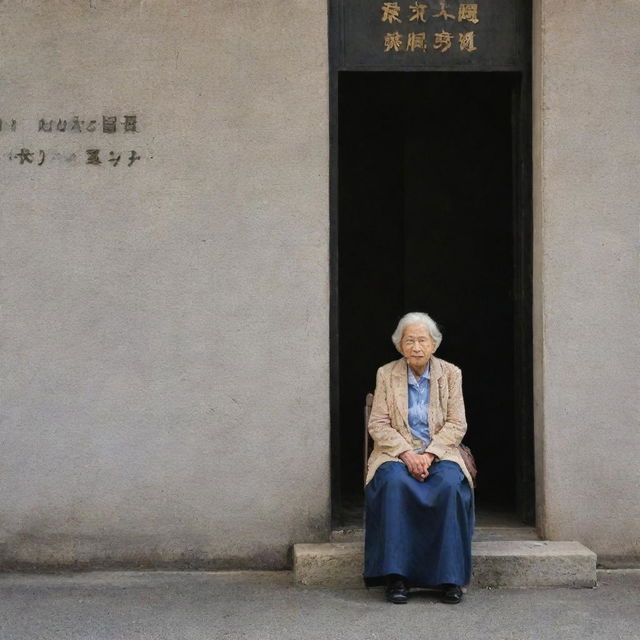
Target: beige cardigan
x=389, y=421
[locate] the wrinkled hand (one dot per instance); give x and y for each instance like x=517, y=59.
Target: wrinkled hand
x=417, y=463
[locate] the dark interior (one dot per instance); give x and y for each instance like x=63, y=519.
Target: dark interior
x=425, y=222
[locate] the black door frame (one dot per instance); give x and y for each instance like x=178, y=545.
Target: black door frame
x=522, y=244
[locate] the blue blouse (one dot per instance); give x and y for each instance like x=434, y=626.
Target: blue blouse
x=419, y=405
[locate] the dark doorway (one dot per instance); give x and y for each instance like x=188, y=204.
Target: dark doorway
x=430, y=219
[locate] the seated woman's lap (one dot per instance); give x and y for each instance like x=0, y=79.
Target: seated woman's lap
x=444, y=473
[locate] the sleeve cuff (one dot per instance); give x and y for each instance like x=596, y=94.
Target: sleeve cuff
x=400, y=449
x=438, y=450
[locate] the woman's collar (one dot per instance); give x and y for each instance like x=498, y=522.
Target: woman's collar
x=411, y=377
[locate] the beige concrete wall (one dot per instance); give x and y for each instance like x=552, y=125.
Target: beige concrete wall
x=165, y=325
x=587, y=293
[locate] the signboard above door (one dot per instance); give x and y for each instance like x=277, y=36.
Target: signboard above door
x=486, y=35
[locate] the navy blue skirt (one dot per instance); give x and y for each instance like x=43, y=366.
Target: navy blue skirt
x=419, y=530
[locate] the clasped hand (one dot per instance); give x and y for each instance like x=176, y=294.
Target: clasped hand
x=417, y=463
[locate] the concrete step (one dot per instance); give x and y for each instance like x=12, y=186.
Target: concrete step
x=533, y=563
x=496, y=563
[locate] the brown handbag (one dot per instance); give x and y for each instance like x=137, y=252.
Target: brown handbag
x=469, y=461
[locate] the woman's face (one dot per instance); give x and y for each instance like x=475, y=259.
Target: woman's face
x=417, y=346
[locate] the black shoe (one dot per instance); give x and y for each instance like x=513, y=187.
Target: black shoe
x=397, y=591
x=451, y=594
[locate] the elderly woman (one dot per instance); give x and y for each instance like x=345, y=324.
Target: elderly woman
x=419, y=497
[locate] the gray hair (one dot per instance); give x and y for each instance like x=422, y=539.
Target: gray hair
x=416, y=317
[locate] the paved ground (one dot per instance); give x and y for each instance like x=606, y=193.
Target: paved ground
x=266, y=606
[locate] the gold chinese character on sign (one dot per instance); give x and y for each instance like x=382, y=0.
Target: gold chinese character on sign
x=392, y=41
x=416, y=41
x=418, y=12
x=466, y=41
x=443, y=41
x=468, y=12
x=443, y=12
x=390, y=12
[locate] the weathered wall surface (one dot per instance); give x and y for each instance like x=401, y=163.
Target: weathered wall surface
x=587, y=298
x=165, y=324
